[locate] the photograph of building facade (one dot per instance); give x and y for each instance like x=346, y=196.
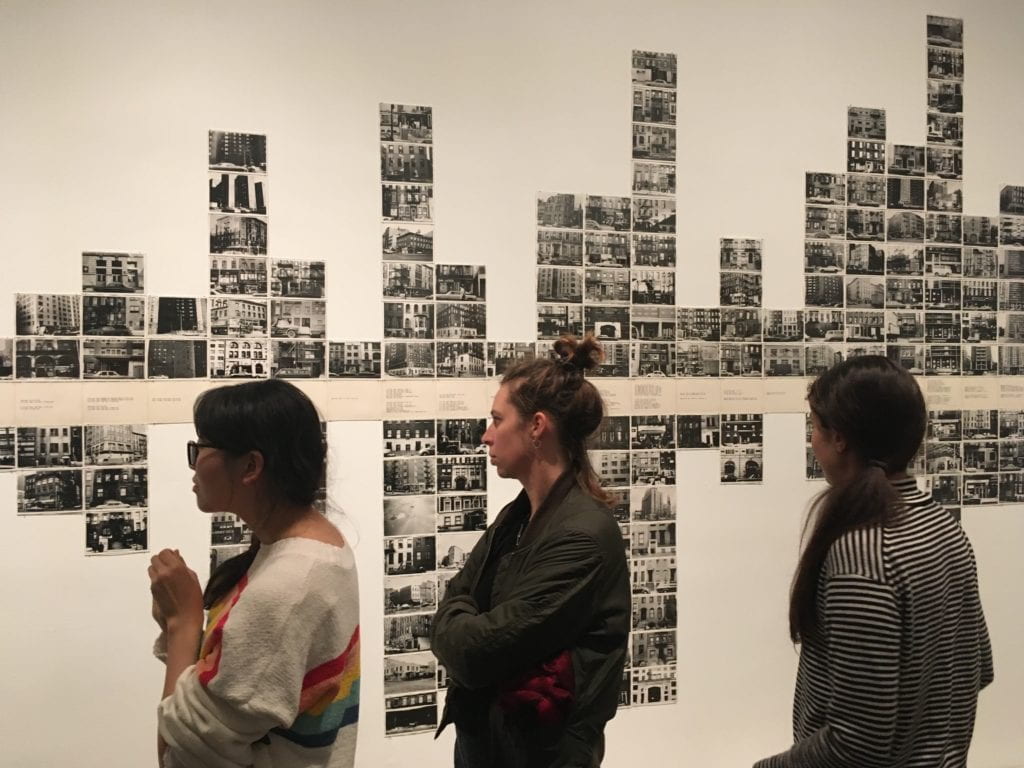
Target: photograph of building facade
x=112, y=272
x=403, y=122
x=458, y=512
x=654, y=178
x=177, y=316
x=461, y=473
x=553, y=320
x=238, y=193
x=825, y=188
x=116, y=487
x=115, y=444
x=237, y=151
x=824, y=223
x=46, y=358
x=40, y=314
x=238, y=317
x=461, y=359
x=411, y=320
x=653, y=142
x=234, y=275
x=360, y=359
x=456, y=320
x=112, y=532
x=653, y=250
x=653, y=322
x=409, y=243
x=245, y=358
x=123, y=358
x=866, y=190
x=50, y=491
x=6, y=447
x=409, y=476
x=297, y=279
x=113, y=315
x=59, y=446
x=559, y=248
x=407, y=202
x=409, y=360
x=238, y=234
x=409, y=554
x=176, y=359
x=606, y=249
x=405, y=280
x=296, y=318
x=298, y=359
x=407, y=162
x=564, y=211
x=408, y=672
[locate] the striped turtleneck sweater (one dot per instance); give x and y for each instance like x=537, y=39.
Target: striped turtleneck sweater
x=892, y=677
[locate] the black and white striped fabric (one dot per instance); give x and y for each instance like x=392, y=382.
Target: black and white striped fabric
x=893, y=677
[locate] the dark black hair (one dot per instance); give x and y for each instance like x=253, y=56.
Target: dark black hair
x=878, y=409
x=278, y=420
x=556, y=385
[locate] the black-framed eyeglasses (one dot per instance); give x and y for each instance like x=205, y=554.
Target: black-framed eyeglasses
x=192, y=447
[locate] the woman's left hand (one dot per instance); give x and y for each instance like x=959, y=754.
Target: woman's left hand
x=176, y=590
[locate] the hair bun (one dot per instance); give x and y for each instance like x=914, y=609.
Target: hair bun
x=581, y=354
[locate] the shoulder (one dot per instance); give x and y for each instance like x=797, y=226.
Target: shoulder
x=858, y=553
x=297, y=572
x=583, y=515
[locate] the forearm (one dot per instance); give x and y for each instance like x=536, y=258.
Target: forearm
x=182, y=650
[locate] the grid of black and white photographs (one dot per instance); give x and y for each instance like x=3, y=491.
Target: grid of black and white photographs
x=435, y=510
x=635, y=459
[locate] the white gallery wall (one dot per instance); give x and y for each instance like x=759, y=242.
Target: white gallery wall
x=104, y=113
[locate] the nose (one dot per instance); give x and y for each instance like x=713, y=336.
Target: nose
x=488, y=438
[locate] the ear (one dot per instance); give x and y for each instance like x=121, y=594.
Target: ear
x=252, y=467
x=540, y=424
x=839, y=442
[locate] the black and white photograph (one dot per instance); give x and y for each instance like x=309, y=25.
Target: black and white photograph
x=294, y=318
x=865, y=225
x=783, y=359
x=947, y=163
x=653, y=286
x=905, y=226
x=657, y=69
x=652, y=575
x=1011, y=230
x=652, y=432
x=654, y=105
x=461, y=359
x=698, y=430
x=740, y=289
x=409, y=476
x=461, y=512
x=906, y=160
x=1011, y=424
x=944, y=425
x=909, y=356
x=943, y=457
x=245, y=152
x=1011, y=327
x=946, y=490
x=697, y=358
x=50, y=491
x=404, y=280
x=654, y=214
x=654, y=611
x=946, y=96
x=945, y=32
x=560, y=284
x=460, y=320
x=612, y=434
x=979, y=294
x=1011, y=487
x=52, y=446
x=824, y=325
x=943, y=293
x=942, y=360
x=238, y=317
x=946, y=196
x=825, y=188
x=606, y=285
x=555, y=320
x=904, y=260
x=980, y=359
x=48, y=314
x=109, y=488
x=409, y=554
x=740, y=254
x=867, y=292
x=113, y=358
x=409, y=594
x=618, y=503
x=652, y=503
x=113, y=315
x=408, y=242
x=410, y=712
x=609, y=212
x=406, y=162
x=453, y=549
x=865, y=259
x=559, y=210
x=865, y=123
x=742, y=464
x=461, y=282
x=1011, y=296
x=1011, y=200
x=460, y=436
x=7, y=458
x=904, y=326
x=650, y=250
x=865, y=350
x=699, y=323
x=943, y=228
x=407, y=633
x=409, y=438
x=1011, y=455
x=607, y=249
x=866, y=190
x=461, y=474
x=297, y=279
x=652, y=359
x=113, y=272
x=115, y=444
x=355, y=359
x=409, y=672
x=228, y=529
x=740, y=359
x=176, y=359
x=298, y=359
x=238, y=192
x=612, y=467
x=979, y=424
x=980, y=456
x=112, y=533
x=409, y=319
x=824, y=223
x=742, y=428
x=905, y=194
x=654, y=142
x=812, y=467
x=863, y=156
x=559, y=248
x=945, y=129
x=824, y=256
x=652, y=685
x=502, y=355
x=985, y=262
x=741, y=324
x=654, y=178
x=238, y=275
x=407, y=202
x=1011, y=359
x=942, y=261
x=404, y=122
x=653, y=322
x=235, y=235
x=173, y=315
x=6, y=358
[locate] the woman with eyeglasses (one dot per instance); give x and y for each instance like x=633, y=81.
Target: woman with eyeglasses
x=893, y=643
x=273, y=680
x=533, y=629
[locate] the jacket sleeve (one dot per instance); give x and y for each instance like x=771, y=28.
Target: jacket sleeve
x=863, y=674
x=544, y=614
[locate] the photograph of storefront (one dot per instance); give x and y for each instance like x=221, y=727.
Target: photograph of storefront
x=50, y=491
x=238, y=358
x=46, y=358
x=114, y=532
x=114, y=358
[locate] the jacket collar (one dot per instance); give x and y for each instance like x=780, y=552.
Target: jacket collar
x=559, y=491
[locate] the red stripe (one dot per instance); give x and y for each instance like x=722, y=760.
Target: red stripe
x=331, y=668
x=206, y=675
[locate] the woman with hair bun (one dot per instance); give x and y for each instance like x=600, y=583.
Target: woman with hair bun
x=533, y=630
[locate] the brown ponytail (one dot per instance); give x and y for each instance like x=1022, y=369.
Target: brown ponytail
x=556, y=385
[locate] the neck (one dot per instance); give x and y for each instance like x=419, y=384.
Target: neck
x=273, y=522
x=541, y=477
